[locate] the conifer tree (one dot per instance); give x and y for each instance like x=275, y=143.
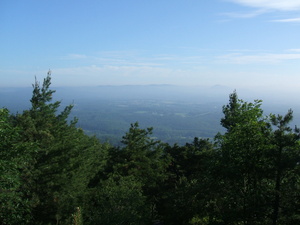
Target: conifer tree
x=65, y=159
x=243, y=163
x=15, y=204
x=286, y=159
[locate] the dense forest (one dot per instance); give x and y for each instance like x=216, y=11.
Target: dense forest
x=51, y=172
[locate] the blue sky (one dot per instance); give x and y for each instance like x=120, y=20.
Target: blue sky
x=237, y=43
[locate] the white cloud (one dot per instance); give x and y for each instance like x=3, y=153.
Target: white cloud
x=124, y=61
x=117, y=75
x=238, y=58
x=294, y=50
x=245, y=14
x=137, y=59
x=74, y=56
x=282, y=5
x=291, y=20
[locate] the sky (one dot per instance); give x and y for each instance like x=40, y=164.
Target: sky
x=235, y=43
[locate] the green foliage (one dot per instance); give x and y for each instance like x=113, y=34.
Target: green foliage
x=255, y=162
x=15, y=204
x=242, y=165
x=53, y=173
x=190, y=182
x=63, y=161
x=77, y=217
x=141, y=157
x=117, y=200
x=286, y=158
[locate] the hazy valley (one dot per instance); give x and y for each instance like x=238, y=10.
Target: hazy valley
x=177, y=113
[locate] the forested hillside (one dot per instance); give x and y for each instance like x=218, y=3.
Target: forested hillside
x=51, y=172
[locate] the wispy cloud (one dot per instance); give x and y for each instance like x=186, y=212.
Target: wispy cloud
x=294, y=50
x=136, y=59
x=282, y=5
x=291, y=20
x=245, y=14
x=267, y=6
x=111, y=61
x=120, y=75
x=74, y=56
x=263, y=58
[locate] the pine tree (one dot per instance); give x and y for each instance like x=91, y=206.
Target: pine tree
x=243, y=163
x=286, y=158
x=15, y=161
x=65, y=160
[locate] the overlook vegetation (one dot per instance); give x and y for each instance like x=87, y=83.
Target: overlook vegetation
x=51, y=172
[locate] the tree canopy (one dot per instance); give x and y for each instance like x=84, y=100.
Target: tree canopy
x=51, y=172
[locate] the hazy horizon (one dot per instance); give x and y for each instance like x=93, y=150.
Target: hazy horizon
x=122, y=105
x=220, y=93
